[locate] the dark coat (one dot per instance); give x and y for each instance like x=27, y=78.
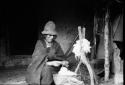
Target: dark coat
x=39, y=57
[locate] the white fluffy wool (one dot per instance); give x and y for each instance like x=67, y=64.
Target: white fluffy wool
x=65, y=71
x=66, y=77
x=83, y=45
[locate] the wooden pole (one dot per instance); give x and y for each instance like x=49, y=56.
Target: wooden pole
x=93, y=52
x=80, y=37
x=106, y=47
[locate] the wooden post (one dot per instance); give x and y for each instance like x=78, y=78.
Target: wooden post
x=106, y=47
x=93, y=52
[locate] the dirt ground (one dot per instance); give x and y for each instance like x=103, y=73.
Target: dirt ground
x=16, y=76
x=13, y=75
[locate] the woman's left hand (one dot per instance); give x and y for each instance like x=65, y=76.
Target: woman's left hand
x=65, y=63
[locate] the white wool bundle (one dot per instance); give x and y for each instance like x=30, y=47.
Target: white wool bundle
x=65, y=71
x=81, y=45
x=66, y=77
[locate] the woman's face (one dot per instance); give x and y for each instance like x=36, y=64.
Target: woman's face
x=49, y=38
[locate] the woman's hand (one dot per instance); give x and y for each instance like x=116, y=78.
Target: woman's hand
x=65, y=63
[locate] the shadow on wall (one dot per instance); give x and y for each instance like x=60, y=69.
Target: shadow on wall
x=66, y=35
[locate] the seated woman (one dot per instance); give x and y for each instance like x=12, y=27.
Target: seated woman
x=40, y=71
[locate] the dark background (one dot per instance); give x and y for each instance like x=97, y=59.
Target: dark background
x=21, y=20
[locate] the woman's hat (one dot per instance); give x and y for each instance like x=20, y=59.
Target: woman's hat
x=49, y=28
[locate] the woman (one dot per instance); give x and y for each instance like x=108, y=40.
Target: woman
x=41, y=70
